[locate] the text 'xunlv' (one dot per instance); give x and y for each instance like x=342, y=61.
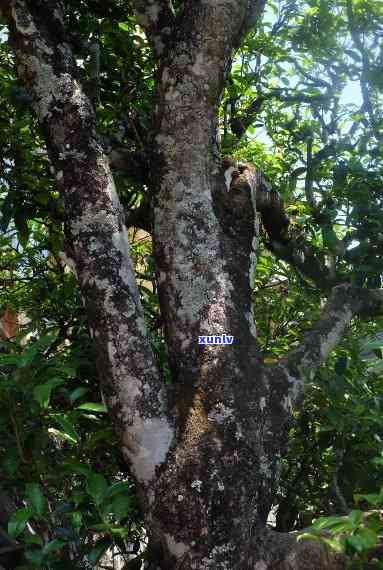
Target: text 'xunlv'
x=216, y=339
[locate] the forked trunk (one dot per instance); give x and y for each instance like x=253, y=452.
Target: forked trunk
x=204, y=452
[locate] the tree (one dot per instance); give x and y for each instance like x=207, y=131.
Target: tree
x=205, y=449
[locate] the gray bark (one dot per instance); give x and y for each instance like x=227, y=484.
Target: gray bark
x=204, y=452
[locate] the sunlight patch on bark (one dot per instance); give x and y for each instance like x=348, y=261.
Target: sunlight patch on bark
x=332, y=339
x=177, y=549
x=146, y=445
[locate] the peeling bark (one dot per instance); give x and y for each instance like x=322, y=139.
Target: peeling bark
x=205, y=452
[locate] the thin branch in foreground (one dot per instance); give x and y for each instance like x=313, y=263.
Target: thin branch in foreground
x=344, y=303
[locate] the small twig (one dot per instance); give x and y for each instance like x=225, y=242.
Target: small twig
x=335, y=485
x=309, y=174
x=18, y=441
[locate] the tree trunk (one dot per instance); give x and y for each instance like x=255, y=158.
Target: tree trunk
x=205, y=452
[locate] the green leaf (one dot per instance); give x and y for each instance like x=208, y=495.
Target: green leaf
x=329, y=237
x=77, y=467
x=68, y=427
x=363, y=540
x=62, y=435
x=376, y=368
x=34, y=348
x=66, y=370
x=369, y=537
x=93, y=407
x=36, y=557
x=36, y=497
x=118, y=488
x=100, y=435
x=125, y=27
x=309, y=536
x=76, y=519
x=78, y=393
x=42, y=392
x=29, y=538
x=340, y=527
x=372, y=345
x=97, y=487
x=11, y=461
x=54, y=546
x=355, y=517
x=102, y=527
x=327, y=522
x=121, y=506
x=10, y=359
x=373, y=499
x=18, y=521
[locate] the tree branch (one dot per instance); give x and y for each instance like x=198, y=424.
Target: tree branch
x=240, y=123
x=344, y=303
x=364, y=77
x=309, y=174
x=96, y=237
x=254, y=10
x=307, y=262
x=298, y=253
x=232, y=17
